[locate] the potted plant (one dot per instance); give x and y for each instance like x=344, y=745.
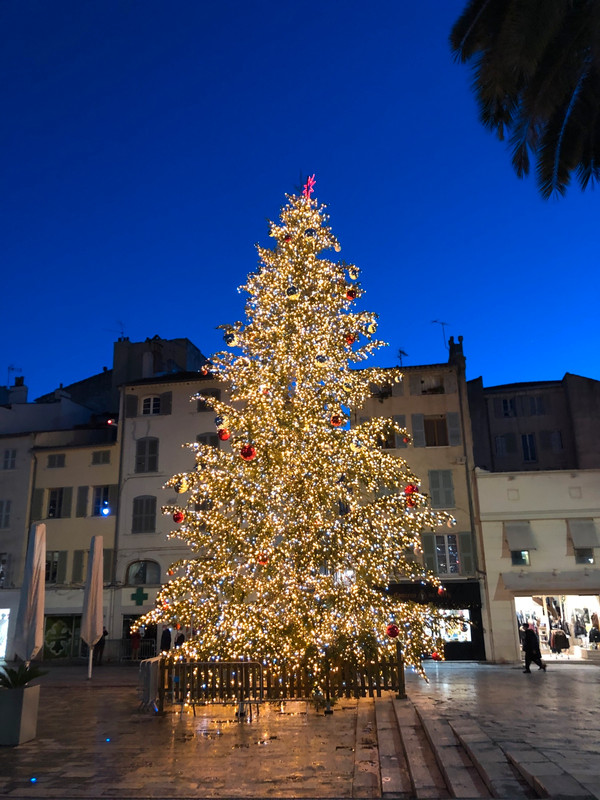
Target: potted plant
x=18, y=704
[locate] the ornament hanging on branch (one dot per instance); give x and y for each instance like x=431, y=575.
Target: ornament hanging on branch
x=248, y=452
x=223, y=434
x=178, y=517
x=392, y=630
x=351, y=294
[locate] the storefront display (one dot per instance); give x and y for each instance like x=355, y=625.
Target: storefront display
x=565, y=624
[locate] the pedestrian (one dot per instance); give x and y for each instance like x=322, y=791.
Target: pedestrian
x=136, y=640
x=165, y=640
x=99, y=648
x=531, y=648
x=180, y=639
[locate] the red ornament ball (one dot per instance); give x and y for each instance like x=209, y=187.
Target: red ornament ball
x=410, y=489
x=441, y=590
x=411, y=503
x=350, y=339
x=178, y=517
x=262, y=559
x=223, y=434
x=436, y=656
x=351, y=294
x=287, y=238
x=406, y=440
x=248, y=453
x=392, y=630
x=336, y=420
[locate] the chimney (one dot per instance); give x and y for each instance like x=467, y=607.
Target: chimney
x=18, y=392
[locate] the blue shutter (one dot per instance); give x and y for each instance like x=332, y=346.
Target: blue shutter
x=453, y=421
x=400, y=419
x=418, y=430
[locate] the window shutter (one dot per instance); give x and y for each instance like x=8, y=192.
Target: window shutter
x=453, y=420
x=113, y=497
x=428, y=545
x=131, y=405
x=418, y=430
x=166, y=401
x=498, y=409
x=398, y=389
x=545, y=440
x=78, y=565
x=82, y=499
x=61, y=571
x=67, y=502
x=153, y=455
x=447, y=488
x=523, y=405
x=415, y=384
x=434, y=488
x=467, y=556
x=37, y=502
x=400, y=419
x=108, y=563
x=450, y=383
x=511, y=443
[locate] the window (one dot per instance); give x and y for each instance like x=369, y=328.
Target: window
x=211, y=439
x=3, y=570
x=500, y=443
x=101, y=457
x=146, y=455
x=9, y=460
x=202, y=404
x=56, y=562
x=432, y=384
x=56, y=460
x=100, y=501
x=141, y=572
x=4, y=513
x=506, y=444
x=446, y=554
x=519, y=558
x=151, y=405
x=528, y=444
x=55, y=503
x=436, y=431
x=144, y=514
x=441, y=488
x=584, y=555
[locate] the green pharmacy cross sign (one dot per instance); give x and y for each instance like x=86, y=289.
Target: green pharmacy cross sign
x=139, y=596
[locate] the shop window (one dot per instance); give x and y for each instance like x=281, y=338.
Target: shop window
x=446, y=554
x=202, y=404
x=584, y=555
x=9, y=460
x=143, y=572
x=151, y=405
x=519, y=558
x=56, y=460
x=144, y=514
x=146, y=454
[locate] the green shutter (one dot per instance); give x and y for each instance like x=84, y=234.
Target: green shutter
x=131, y=405
x=400, y=419
x=467, y=555
x=447, y=488
x=453, y=420
x=511, y=443
x=37, y=503
x=67, y=502
x=61, y=572
x=82, y=499
x=428, y=545
x=113, y=497
x=166, y=400
x=418, y=430
x=77, y=573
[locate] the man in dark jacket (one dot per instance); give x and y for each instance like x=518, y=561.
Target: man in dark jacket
x=531, y=648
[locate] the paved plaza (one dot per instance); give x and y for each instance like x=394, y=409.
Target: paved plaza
x=93, y=741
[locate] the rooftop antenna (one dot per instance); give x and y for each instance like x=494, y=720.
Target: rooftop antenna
x=443, y=324
x=121, y=330
x=12, y=370
x=401, y=355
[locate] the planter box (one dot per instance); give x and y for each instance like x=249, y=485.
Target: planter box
x=18, y=712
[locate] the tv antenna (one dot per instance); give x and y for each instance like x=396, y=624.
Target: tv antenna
x=12, y=370
x=401, y=355
x=443, y=325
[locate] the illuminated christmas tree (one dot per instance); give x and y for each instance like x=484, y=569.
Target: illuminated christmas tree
x=298, y=524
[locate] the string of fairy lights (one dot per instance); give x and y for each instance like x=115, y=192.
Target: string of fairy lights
x=297, y=523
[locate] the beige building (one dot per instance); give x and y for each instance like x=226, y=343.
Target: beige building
x=540, y=533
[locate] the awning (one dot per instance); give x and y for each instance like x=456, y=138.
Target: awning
x=583, y=582
x=519, y=536
x=583, y=533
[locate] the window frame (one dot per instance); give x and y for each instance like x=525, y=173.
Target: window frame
x=448, y=555
x=145, y=459
x=518, y=559
x=529, y=448
x=146, y=519
x=56, y=496
x=144, y=582
x=56, y=461
x=100, y=457
x=5, y=514
x=151, y=405
x=9, y=460
x=584, y=555
x=100, y=497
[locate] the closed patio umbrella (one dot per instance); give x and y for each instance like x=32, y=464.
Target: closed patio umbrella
x=29, y=634
x=92, y=620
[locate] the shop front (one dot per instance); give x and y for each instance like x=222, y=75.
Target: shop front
x=567, y=624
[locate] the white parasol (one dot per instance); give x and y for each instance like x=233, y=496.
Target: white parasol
x=29, y=635
x=92, y=620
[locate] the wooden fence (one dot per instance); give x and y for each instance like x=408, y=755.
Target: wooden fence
x=202, y=682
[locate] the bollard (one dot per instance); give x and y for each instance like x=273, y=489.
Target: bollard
x=401, y=684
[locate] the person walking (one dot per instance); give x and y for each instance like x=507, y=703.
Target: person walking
x=165, y=640
x=98, y=651
x=531, y=648
x=136, y=639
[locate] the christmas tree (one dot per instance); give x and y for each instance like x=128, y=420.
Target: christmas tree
x=298, y=524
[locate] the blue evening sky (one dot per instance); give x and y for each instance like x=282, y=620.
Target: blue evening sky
x=144, y=145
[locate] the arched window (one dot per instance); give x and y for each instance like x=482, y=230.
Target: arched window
x=143, y=572
x=151, y=405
